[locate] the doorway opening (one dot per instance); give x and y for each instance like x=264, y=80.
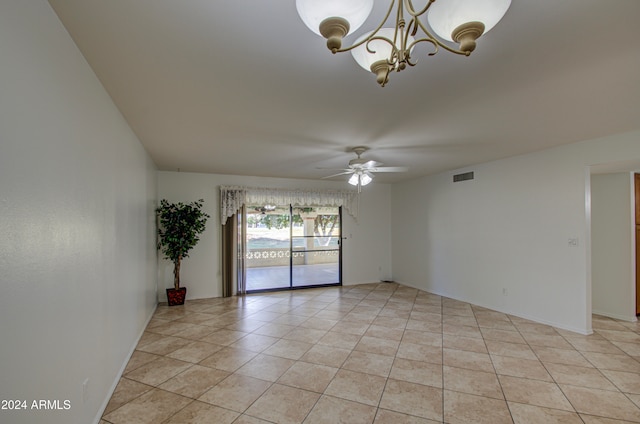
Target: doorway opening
x=612, y=209
x=290, y=247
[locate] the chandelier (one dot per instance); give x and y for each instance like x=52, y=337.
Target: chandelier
x=388, y=49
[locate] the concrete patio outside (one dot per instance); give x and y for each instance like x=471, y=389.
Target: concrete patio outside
x=262, y=278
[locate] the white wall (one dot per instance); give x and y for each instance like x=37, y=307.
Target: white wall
x=613, y=264
x=502, y=240
x=77, y=196
x=366, y=252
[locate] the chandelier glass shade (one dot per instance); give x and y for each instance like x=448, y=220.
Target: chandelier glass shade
x=313, y=12
x=446, y=15
x=440, y=24
x=373, y=56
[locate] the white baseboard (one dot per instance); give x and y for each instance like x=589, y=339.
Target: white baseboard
x=98, y=417
x=582, y=331
x=631, y=318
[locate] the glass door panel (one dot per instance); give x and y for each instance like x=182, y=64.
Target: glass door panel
x=315, y=246
x=268, y=247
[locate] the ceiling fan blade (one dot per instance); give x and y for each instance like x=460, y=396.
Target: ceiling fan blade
x=336, y=169
x=371, y=164
x=390, y=169
x=337, y=175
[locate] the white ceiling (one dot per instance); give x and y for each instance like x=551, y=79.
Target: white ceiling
x=243, y=87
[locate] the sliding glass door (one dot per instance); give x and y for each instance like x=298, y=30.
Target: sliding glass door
x=292, y=247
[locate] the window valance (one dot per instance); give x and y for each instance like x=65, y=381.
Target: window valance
x=233, y=197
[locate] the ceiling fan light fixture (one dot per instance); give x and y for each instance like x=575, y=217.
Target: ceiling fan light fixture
x=361, y=171
x=365, y=179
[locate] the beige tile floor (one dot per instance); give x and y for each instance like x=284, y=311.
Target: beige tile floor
x=375, y=353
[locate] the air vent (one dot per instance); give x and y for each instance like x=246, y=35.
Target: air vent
x=463, y=177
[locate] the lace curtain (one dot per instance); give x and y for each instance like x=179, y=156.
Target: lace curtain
x=233, y=197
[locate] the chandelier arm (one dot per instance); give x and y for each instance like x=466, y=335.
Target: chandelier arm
x=415, y=22
x=418, y=24
x=422, y=40
x=373, y=33
x=402, y=30
x=412, y=27
x=437, y=41
x=399, y=24
x=411, y=10
x=393, y=59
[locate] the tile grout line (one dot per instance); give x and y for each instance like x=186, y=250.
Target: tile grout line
x=504, y=395
x=236, y=311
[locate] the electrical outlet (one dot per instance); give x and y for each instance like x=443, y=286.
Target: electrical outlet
x=573, y=242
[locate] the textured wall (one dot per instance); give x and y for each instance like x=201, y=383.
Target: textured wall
x=503, y=240
x=77, y=195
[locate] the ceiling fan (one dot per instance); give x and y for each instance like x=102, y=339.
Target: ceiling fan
x=362, y=170
x=264, y=209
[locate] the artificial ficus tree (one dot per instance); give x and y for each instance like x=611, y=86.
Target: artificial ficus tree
x=179, y=226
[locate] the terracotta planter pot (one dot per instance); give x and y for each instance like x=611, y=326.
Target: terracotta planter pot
x=176, y=297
